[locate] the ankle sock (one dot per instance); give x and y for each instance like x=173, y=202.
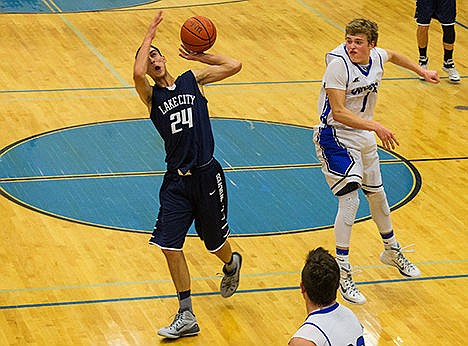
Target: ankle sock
x=389, y=240
x=185, y=301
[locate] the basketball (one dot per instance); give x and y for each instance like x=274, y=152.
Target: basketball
x=198, y=34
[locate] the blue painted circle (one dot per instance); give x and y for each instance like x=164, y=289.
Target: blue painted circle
x=48, y=6
x=109, y=174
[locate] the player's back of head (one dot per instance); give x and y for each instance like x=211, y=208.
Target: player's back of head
x=321, y=277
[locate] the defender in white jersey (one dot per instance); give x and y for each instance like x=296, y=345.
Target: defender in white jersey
x=327, y=323
x=346, y=145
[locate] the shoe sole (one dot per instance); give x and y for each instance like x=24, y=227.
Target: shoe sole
x=172, y=336
x=352, y=301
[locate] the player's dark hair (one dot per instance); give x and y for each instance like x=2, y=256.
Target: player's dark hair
x=155, y=48
x=363, y=26
x=321, y=277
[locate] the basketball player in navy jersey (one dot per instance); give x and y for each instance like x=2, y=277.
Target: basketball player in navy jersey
x=346, y=145
x=327, y=323
x=194, y=187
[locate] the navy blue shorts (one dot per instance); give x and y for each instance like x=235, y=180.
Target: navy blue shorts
x=443, y=10
x=199, y=197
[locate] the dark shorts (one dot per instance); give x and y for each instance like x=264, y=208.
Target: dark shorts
x=443, y=10
x=199, y=197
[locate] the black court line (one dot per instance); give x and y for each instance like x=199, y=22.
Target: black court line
x=439, y=159
x=226, y=169
x=310, y=81
x=461, y=24
x=159, y=173
x=204, y=294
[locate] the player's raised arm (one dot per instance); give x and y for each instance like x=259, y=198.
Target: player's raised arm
x=140, y=66
x=219, y=66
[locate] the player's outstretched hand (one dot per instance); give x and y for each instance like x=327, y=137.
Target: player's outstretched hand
x=431, y=76
x=154, y=24
x=387, y=137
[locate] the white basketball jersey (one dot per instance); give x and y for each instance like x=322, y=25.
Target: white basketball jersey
x=333, y=325
x=361, y=83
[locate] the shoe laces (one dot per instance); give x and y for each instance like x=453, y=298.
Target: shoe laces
x=351, y=270
x=178, y=321
x=348, y=281
x=400, y=257
x=350, y=285
x=228, y=281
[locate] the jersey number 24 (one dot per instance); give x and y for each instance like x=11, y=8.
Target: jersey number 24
x=181, y=119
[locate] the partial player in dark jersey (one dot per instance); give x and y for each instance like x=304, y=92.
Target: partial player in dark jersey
x=194, y=187
x=445, y=12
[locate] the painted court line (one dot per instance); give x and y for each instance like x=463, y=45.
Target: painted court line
x=204, y=278
x=203, y=294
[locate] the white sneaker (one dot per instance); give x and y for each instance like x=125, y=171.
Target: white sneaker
x=394, y=257
x=348, y=288
x=449, y=67
x=423, y=61
x=184, y=324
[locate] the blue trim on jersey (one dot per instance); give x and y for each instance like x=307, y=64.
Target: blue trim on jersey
x=321, y=331
x=365, y=72
x=326, y=111
x=346, y=65
x=336, y=156
x=325, y=310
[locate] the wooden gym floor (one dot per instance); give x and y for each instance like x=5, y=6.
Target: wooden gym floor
x=65, y=283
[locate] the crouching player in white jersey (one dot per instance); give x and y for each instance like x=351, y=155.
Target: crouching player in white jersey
x=346, y=145
x=327, y=323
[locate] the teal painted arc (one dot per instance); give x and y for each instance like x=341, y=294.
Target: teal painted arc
x=60, y=6
x=108, y=175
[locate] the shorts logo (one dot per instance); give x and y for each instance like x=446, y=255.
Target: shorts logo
x=219, y=180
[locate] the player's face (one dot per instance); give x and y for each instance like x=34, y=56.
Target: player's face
x=157, y=64
x=358, y=48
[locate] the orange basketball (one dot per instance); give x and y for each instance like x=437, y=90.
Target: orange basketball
x=198, y=34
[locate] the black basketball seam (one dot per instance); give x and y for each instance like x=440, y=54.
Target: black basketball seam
x=195, y=34
x=206, y=30
x=208, y=42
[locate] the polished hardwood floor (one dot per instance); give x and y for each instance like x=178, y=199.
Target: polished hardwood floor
x=65, y=283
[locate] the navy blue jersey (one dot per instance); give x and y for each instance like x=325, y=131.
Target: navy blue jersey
x=180, y=114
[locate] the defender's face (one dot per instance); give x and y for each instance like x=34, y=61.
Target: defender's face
x=359, y=48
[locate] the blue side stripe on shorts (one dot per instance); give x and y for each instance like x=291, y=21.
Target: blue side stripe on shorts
x=337, y=157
